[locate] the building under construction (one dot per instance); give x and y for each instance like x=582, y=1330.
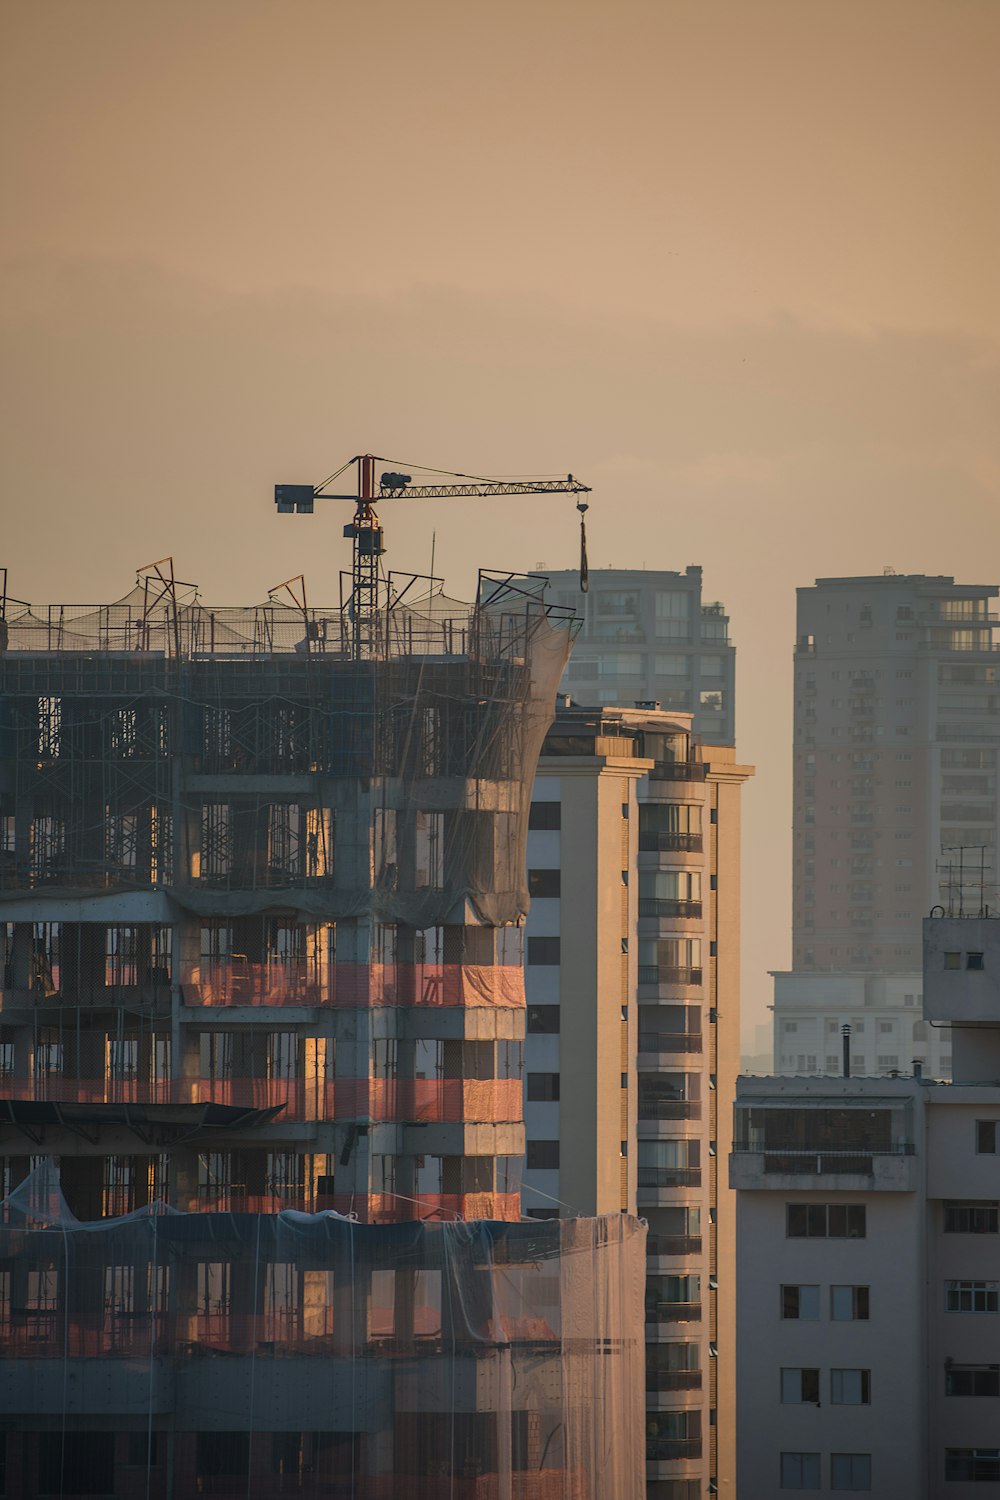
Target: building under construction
x=260, y=899
x=261, y=894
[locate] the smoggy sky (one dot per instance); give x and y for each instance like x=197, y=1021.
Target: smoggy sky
x=734, y=262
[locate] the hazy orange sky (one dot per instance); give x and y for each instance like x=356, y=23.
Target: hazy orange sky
x=732, y=261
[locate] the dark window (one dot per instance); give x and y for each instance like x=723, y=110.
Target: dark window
x=800, y=1302
x=545, y=815
x=76, y=1463
x=848, y=1303
x=972, y=1380
x=542, y=1155
x=543, y=1018
x=974, y=961
x=971, y=1218
x=543, y=950
x=544, y=882
x=850, y=1471
x=543, y=1086
x=850, y=1387
x=986, y=1137
x=972, y=1463
x=799, y=1387
x=542, y=1213
x=971, y=1296
x=835, y=1221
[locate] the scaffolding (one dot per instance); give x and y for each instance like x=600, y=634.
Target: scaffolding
x=242, y=869
x=166, y=1354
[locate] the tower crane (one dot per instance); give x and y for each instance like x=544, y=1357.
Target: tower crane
x=366, y=532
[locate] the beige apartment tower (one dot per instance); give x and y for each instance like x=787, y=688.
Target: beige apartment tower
x=897, y=735
x=632, y=1047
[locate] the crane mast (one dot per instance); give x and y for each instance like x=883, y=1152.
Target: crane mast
x=365, y=530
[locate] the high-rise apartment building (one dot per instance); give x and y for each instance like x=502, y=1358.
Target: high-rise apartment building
x=868, y=1288
x=632, y=1042
x=897, y=735
x=651, y=636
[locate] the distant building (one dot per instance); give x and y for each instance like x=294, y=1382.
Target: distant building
x=651, y=636
x=868, y=1276
x=897, y=733
x=632, y=1043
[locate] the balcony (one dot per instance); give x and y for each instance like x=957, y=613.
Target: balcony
x=879, y=1171
x=673, y=1380
x=660, y=1450
x=658, y=906
x=669, y=1109
x=668, y=974
x=679, y=770
x=670, y=1041
x=668, y=1177
x=673, y=1312
x=673, y=1244
x=670, y=843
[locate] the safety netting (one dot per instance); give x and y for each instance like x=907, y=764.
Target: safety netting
x=167, y=1354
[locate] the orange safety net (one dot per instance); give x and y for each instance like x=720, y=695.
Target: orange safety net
x=433, y=984
x=418, y=1099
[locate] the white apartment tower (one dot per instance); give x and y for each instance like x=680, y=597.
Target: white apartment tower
x=868, y=1260
x=897, y=731
x=632, y=1043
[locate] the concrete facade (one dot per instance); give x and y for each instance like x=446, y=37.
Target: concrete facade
x=631, y=1051
x=651, y=635
x=868, y=1255
x=897, y=722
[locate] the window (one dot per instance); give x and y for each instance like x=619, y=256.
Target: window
x=986, y=1137
x=850, y=1471
x=542, y=1156
x=545, y=815
x=543, y=1019
x=974, y=961
x=850, y=1387
x=971, y=1296
x=953, y=960
x=87, y=1458
x=835, y=1221
x=543, y=950
x=799, y=1387
x=972, y=1463
x=543, y=1086
x=971, y=1380
x=800, y=1471
x=543, y=882
x=848, y=1304
x=800, y=1302
x=971, y=1218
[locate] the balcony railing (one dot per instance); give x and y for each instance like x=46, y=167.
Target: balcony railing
x=669, y=1109
x=673, y=1244
x=673, y=1380
x=679, y=770
x=668, y=974
x=670, y=1041
x=661, y=906
x=673, y=1312
x=820, y=1161
x=670, y=843
x=669, y=1177
x=659, y=1450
